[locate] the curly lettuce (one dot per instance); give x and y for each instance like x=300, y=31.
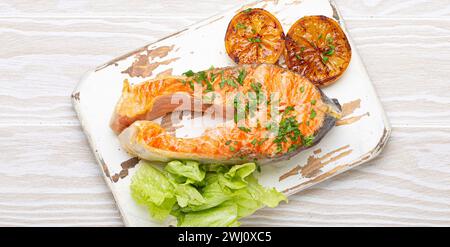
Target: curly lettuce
x=201, y=194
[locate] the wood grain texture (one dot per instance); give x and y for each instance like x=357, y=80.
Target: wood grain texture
x=408, y=62
x=50, y=178
x=205, y=8
x=139, y=8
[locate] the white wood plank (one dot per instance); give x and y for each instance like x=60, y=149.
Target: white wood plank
x=49, y=177
x=140, y=8
x=206, y=8
x=394, y=8
x=45, y=58
x=408, y=62
x=58, y=209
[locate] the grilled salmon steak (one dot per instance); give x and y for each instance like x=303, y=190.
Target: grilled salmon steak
x=275, y=113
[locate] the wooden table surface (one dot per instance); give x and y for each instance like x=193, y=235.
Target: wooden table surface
x=48, y=174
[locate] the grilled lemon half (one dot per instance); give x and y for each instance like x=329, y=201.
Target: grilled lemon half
x=254, y=36
x=317, y=48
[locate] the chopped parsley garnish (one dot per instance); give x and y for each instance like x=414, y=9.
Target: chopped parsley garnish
x=247, y=108
x=213, y=77
x=228, y=81
x=256, y=87
x=313, y=102
x=329, y=39
x=247, y=10
x=189, y=73
x=312, y=114
x=288, y=109
x=241, y=76
x=298, y=57
x=255, y=40
x=228, y=142
x=302, y=89
x=279, y=148
x=237, y=105
x=191, y=84
x=330, y=51
x=222, y=80
x=232, y=149
x=293, y=147
x=262, y=141
x=320, y=36
x=200, y=77
x=325, y=59
x=288, y=129
x=246, y=130
x=302, y=49
x=231, y=82
x=240, y=26
x=209, y=87
x=254, y=141
x=253, y=31
x=308, y=141
x=270, y=126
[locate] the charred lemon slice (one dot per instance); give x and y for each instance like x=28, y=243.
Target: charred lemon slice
x=317, y=48
x=254, y=36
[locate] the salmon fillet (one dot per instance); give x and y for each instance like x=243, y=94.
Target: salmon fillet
x=269, y=113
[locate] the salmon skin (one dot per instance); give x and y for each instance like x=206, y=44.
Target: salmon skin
x=276, y=113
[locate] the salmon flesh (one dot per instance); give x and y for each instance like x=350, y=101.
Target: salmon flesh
x=269, y=113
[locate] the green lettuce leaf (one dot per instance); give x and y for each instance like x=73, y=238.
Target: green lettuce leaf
x=218, y=168
x=188, y=195
x=161, y=212
x=241, y=171
x=254, y=196
x=150, y=187
x=213, y=193
x=224, y=215
x=201, y=195
x=235, y=177
x=246, y=204
x=269, y=197
x=188, y=169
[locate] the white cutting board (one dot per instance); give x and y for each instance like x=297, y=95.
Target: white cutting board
x=359, y=138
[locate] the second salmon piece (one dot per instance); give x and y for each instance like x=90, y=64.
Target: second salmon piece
x=275, y=113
